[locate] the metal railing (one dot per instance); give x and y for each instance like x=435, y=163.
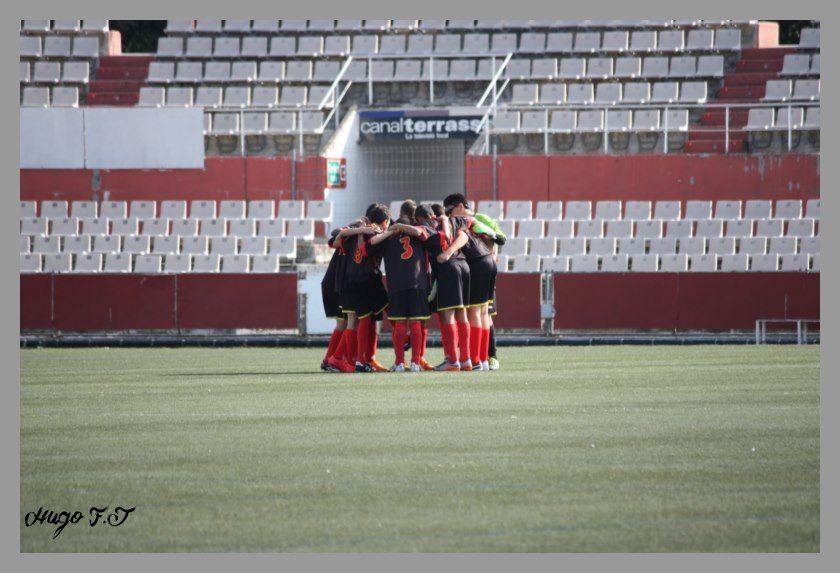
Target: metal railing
x=801, y=328
x=664, y=128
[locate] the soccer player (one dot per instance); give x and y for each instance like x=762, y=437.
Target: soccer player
x=407, y=275
x=453, y=287
x=482, y=278
x=363, y=293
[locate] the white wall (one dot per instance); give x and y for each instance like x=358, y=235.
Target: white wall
x=112, y=138
x=51, y=139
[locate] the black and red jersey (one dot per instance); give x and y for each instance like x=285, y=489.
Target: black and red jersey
x=475, y=247
x=406, y=261
x=437, y=241
x=360, y=265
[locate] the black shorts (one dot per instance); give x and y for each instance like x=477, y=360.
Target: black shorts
x=453, y=285
x=332, y=302
x=492, y=309
x=432, y=303
x=482, y=280
x=408, y=305
x=364, y=299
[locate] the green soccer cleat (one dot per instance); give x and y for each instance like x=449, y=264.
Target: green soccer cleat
x=494, y=363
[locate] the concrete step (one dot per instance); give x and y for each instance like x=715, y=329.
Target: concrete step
x=714, y=147
x=112, y=99
x=748, y=78
x=115, y=86
x=741, y=93
x=759, y=66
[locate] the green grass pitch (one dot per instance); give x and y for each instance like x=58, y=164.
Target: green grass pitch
x=566, y=449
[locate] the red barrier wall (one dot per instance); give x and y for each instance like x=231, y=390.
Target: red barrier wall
x=237, y=301
x=111, y=302
x=681, y=301
x=222, y=178
x=36, y=301
x=518, y=300
x=645, y=177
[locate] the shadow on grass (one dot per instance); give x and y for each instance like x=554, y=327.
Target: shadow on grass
x=209, y=374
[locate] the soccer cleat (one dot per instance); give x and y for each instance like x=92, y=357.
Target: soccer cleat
x=415, y=367
x=424, y=364
x=447, y=366
x=493, y=363
x=477, y=366
x=398, y=368
x=485, y=365
x=340, y=365
x=327, y=367
x=324, y=366
x=376, y=366
x=466, y=365
x=364, y=367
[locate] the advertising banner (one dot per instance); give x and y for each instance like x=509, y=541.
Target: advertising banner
x=416, y=125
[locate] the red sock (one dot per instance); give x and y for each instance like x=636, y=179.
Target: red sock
x=485, y=344
x=464, y=340
x=425, y=338
x=335, y=340
x=416, y=336
x=349, y=343
x=398, y=336
x=475, y=344
x=373, y=340
x=363, y=340
x=449, y=339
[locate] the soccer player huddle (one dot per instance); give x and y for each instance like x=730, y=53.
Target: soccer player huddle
x=437, y=259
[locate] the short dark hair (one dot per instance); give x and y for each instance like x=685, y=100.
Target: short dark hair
x=370, y=208
x=407, y=210
x=437, y=209
x=454, y=200
x=379, y=214
x=423, y=212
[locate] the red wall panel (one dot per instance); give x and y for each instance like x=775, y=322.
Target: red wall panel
x=523, y=178
x=237, y=301
x=591, y=301
x=682, y=301
x=114, y=302
x=478, y=177
x=36, y=301
x=268, y=178
x=55, y=184
x=518, y=300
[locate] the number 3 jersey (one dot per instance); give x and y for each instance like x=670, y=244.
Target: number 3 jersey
x=406, y=261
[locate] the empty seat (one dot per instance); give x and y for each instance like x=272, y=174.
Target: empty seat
x=665, y=92
x=530, y=229
x=809, y=245
x=709, y=228
x=526, y=94
x=563, y=121
x=184, y=227
x=710, y=66
x=670, y=263
x=290, y=209
x=30, y=47
x=175, y=263
x=698, y=210
x=310, y=46
x=644, y=263
x=236, y=97
x=734, y=263
x=549, y=210
x=237, y=26
x=800, y=228
x=283, y=246
x=148, y=264
x=703, y=263
x=663, y=246
x=544, y=246
x=226, y=47
x=727, y=210
x=166, y=245
x=619, y=229
x=515, y=246
x=319, y=210
x=364, y=45
x=655, y=67
x=790, y=118
x=796, y=64
x=671, y=41
x=560, y=229
x=232, y=263
x=559, y=42
x=46, y=72
x=590, y=229
x=195, y=245
x=57, y=262
x=739, y=228
x=601, y=246
x=41, y=244
x=75, y=73
x=152, y=97
x=88, y=262
x=208, y=26
x=599, y=68
x=213, y=228
x=788, y=209
x=552, y=93
x=583, y=263
x=758, y=209
x=753, y=246
x=590, y=120
x=805, y=90
x=683, y=67
x=118, y=263
x=630, y=246
x=587, y=42
x=578, y=210
x=764, y=262
x=262, y=263
x=679, y=228
x=721, y=245
x=301, y=228
x=569, y=246
x=136, y=244
x=628, y=67
x=760, y=119
x=544, y=68
x=199, y=47
x=271, y=228
x=242, y=227
x=649, y=229
x=769, y=228
x=608, y=93
x=57, y=46
x=54, y=209
x=223, y=245
x=232, y=209
x=608, y=210
x=637, y=92
x=525, y=264
x=812, y=209
x=637, y=210
x=205, y=263
x=557, y=264
x=778, y=90
x=492, y=209
x=795, y=263
x=693, y=92
x=809, y=38
x=572, y=68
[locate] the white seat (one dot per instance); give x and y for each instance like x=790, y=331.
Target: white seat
x=703, y=263
x=788, y=209
x=587, y=42
x=644, y=263
x=515, y=246
x=226, y=47
x=549, y=210
x=782, y=245
x=601, y=246
x=590, y=229
x=769, y=228
x=608, y=210
x=552, y=93
x=721, y=245
x=583, y=263
x=271, y=228
x=692, y=245
x=578, y=211
x=88, y=263
x=728, y=210
x=698, y=210
x=205, y=263
x=242, y=227
x=525, y=264
x=683, y=67
x=530, y=229
x=679, y=228
x=627, y=68
x=630, y=246
x=143, y=209
x=25, y=243
x=235, y=263
x=608, y=93
x=177, y=263
x=285, y=247
x=544, y=247
x=208, y=26
x=232, y=209
x=727, y=39
x=57, y=263
x=665, y=92
x=673, y=263
x=518, y=210
x=739, y=228
x=319, y=210
x=560, y=229
x=57, y=47
x=118, y=263
x=525, y=94
x=173, y=209
x=30, y=263
x=615, y=41
x=806, y=90
x=290, y=209
x=599, y=68
x=199, y=47
x=213, y=227
x=777, y=90
x=809, y=38
x=710, y=67
x=693, y=92
x=260, y=209
x=651, y=229
x=253, y=245
x=136, y=244
x=166, y=245
x=223, y=245
x=663, y=246
x=184, y=227
x=620, y=229
x=800, y=228
x=557, y=264
x=54, y=209
x=151, y=97
x=563, y=121
x=96, y=226
x=637, y=210
x=559, y=42
x=795, y=263
x=148, y=264
x=614, y=263
x=544, y=68
x=709, y=228
x=809, y=245
x=254, y=47
x=195, y=245
x=243, y=72
x=753, y=246
x=812, y=209
x=64, y=226
x=265, y=263
x=796, y=65
x=758, y=209
x=87, y=209
x=572, y=68
x=301, y=229
x=581, y=94
x=764, y=262
x=671, y=41
x=734, y=263
x=667, y=210
x=46, y=245
x=494, y=209
x=27, y=209
x=158, y=226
